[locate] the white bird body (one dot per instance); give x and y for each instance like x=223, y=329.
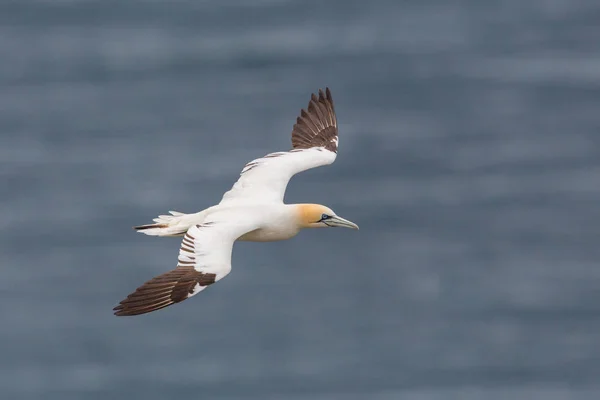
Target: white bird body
x=252, y=210
x=277, y=221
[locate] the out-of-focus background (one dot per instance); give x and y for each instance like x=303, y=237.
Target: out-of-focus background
x=469, y=156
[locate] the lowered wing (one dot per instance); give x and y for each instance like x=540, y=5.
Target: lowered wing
x=204, y=258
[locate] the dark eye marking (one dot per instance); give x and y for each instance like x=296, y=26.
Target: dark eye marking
x=324, y=217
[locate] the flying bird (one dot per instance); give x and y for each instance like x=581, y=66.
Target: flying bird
x=252, y=210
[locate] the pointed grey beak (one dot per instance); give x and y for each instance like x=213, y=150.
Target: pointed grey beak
x=341, y=222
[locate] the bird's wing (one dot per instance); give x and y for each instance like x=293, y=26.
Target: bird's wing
x=204, y=258
x=315, y=143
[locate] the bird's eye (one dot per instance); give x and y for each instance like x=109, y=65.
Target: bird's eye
x=324, y=217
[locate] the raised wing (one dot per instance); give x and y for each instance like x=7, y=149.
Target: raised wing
x=315, y=143
x=204, y=258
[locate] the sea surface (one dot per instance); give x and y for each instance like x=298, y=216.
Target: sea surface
x=469, y=156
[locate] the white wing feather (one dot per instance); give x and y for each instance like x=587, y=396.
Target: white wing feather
x=208, y=246
x=265, y=179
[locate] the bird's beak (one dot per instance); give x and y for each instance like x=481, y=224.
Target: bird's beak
x=341, y=222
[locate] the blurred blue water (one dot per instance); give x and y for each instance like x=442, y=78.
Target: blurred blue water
x=469, y=156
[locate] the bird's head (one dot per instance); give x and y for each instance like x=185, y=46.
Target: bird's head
x=318, y=216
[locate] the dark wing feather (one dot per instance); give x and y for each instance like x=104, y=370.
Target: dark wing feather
x=317, y=126
x=162, y=291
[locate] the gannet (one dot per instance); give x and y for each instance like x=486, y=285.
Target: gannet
x=252, y=210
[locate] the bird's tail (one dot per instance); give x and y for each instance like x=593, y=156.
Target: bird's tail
x=175, y=224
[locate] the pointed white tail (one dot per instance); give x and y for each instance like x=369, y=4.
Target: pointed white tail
x=175, y=224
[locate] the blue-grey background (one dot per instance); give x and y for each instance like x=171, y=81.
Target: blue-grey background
x=469, y=156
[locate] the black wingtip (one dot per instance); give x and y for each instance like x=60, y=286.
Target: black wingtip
x=149, y=226
x=316, y=126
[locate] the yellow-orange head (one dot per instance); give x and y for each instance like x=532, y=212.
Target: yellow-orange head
x=318, y=216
